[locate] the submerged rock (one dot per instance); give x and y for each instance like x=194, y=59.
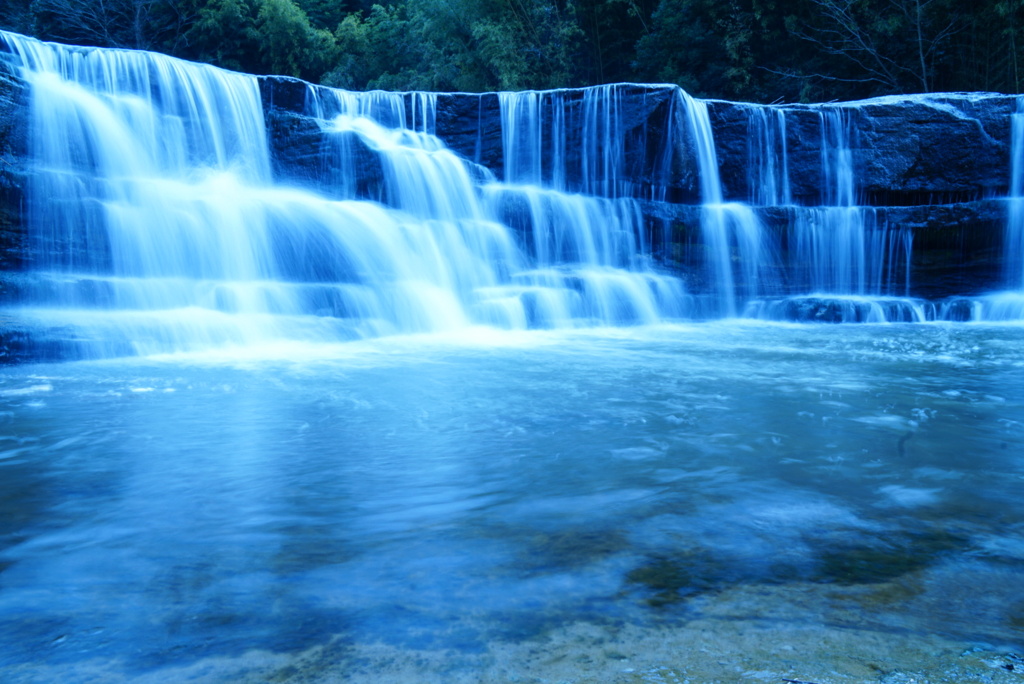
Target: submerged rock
x=825, y=309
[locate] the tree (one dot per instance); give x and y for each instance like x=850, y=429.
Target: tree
x=1010, y=15
x=224, y=34
x=701, y=45
x=327, y=14
x=609, y=31
x=259, y=36
x=288, y=44
x=894, y=44
x=459, y=45
x=141, y=24
x=760, y=50
x=527, y=43
x=988, y=54
x=382, y=50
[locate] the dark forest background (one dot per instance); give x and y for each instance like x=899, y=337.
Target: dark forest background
x=756, y=50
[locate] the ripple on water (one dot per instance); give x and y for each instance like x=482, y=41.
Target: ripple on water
x=447, y=513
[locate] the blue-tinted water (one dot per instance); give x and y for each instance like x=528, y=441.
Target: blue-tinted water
x=454, y=496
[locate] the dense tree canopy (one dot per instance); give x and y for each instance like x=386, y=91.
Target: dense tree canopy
x=762, y=50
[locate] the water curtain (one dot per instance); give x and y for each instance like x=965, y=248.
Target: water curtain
x=157, y=225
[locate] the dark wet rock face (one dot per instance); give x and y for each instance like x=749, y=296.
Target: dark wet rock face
x=303, y=155
x=935, y=150
x=646, y=119
x=919, y=150
x=935, y=165
x=14, y=99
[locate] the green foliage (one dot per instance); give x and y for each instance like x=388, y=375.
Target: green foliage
x=702, y=45
x=383, y=51
x=762, y=50
x=288, y=44
x=526, y=44
x=224, y=33
x=445, y=38
x=327, y=14
x=352, y=39
x=458, y=45
x=260, y=36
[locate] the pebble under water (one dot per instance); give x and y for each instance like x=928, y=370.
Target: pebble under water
x=723, y=501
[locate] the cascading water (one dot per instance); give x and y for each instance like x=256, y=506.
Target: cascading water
x=135, y=153
x=156, y=225
x=1008, y=305
x=843, y=262
x=846, y=251
x=540, y=149
x=590, y=252
x=1015, y=220
x=768, y=158
x=733, y=236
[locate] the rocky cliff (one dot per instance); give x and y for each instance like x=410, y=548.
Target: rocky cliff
x=907, y=151
x=935, y=165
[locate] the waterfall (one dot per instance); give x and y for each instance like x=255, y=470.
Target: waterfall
x=848, y=250
x=522, y=140
x=569, y=141
x=768, y=158
x=156, y=225
x=837, y=188
x=555, y=148
x=843, y=262
x=733, y=236
x=160, y=217
x=1007, y=305
x=1015, y=219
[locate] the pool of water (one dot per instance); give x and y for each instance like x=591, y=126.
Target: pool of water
x=521, y=507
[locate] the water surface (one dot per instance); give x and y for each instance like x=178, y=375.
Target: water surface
x=444, y=498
